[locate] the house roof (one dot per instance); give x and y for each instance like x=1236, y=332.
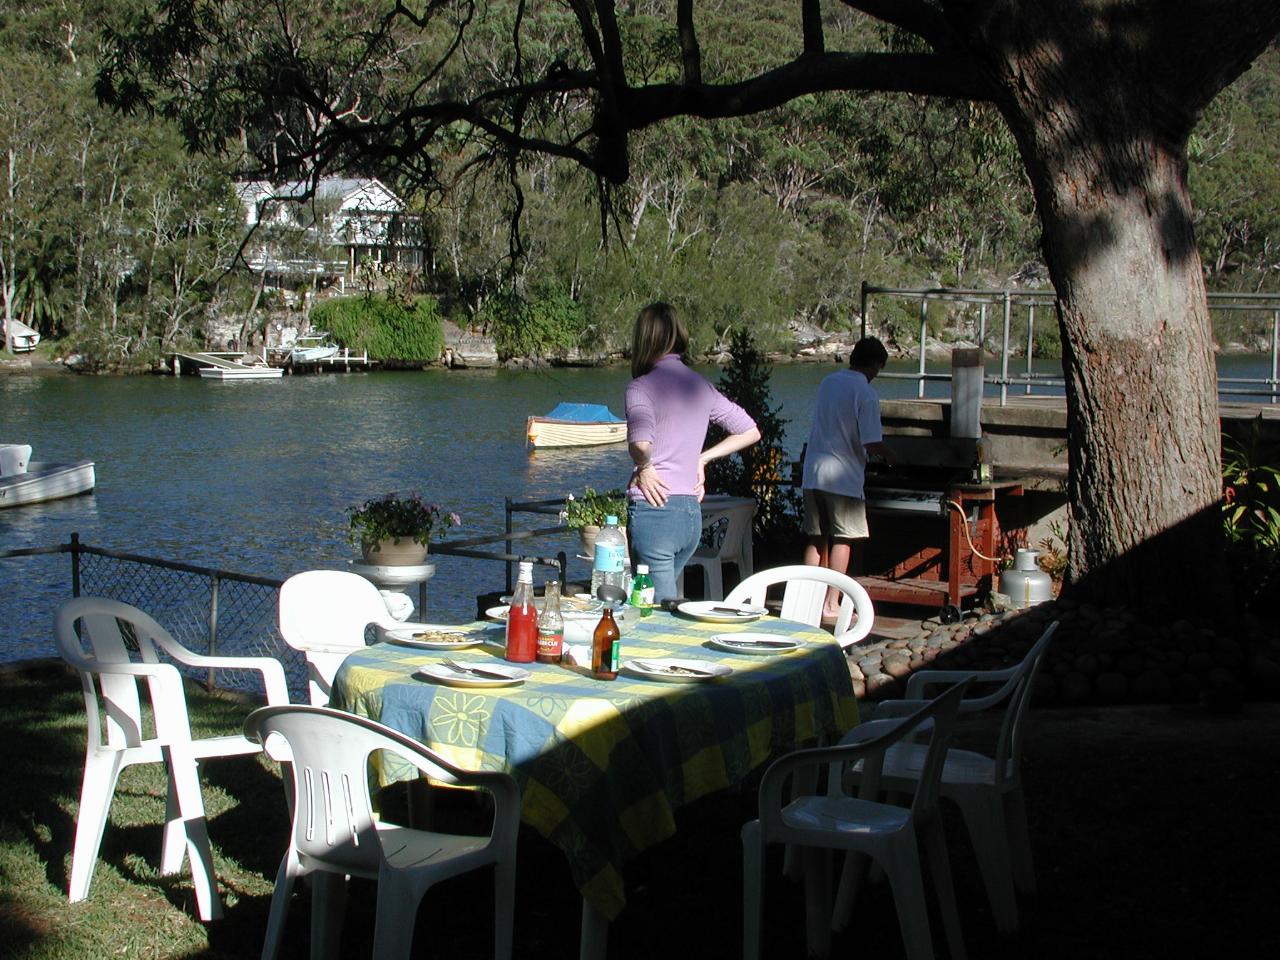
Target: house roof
x=363, y=193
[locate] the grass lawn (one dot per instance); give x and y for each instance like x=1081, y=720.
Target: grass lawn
x=1153, y=828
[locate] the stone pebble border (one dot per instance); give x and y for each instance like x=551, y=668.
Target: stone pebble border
x=1098, y=655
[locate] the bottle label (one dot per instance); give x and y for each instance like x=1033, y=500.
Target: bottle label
x=550, y=642
x=642, y=598
x=609, y=557
x=615, y=655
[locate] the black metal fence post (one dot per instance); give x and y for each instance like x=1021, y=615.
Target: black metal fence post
x=75, y=564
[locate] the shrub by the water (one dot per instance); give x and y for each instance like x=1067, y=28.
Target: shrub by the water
x=758, y=471
x=548, y=323
x=388, y=330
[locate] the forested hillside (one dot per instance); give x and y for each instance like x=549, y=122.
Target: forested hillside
x=119, y=243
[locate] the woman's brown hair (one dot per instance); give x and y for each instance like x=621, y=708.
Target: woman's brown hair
x=659, y=331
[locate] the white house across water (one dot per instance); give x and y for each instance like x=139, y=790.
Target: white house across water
x=344, y=223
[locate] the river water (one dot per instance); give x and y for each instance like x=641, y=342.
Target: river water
x=255, y=477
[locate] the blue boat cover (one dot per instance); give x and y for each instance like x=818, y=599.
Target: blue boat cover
x=584, y=413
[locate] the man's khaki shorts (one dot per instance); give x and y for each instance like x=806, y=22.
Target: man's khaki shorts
x=834, y=515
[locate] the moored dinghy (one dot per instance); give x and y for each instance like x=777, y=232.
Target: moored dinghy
x=25, y=481
x=576, y=425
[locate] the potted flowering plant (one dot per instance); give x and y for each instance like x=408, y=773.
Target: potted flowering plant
x=392, y=530
x=586, y=514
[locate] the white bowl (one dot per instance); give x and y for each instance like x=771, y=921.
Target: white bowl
x=579, y=627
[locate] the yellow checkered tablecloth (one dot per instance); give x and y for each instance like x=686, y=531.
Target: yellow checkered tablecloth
x=603, y=765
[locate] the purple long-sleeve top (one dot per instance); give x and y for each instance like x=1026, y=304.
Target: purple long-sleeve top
x=670, y=407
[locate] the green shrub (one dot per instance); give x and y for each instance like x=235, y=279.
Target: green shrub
x=758, y=470
x=386, y=330
x=1251, y=517
x=548, y=323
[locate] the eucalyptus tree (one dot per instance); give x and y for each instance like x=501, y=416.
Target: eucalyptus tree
x=27, y=162
x=1100, y=96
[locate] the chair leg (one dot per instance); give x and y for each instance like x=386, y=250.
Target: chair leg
x=173, y=849
x=279, y=906
x=817, y=900
x=328, y=910
x=101, y=771
x=902, y=865
x=397, y=911
x=935, y=849
x=851, y=877
x=713, y=574
x=185, y=779
x=752, y=889
x=1019, y=839
x=504, y=906
x=985, y=822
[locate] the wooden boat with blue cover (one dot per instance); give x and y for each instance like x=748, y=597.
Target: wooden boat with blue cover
x=576, y=425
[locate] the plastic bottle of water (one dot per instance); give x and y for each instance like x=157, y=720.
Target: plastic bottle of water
x=609, y=567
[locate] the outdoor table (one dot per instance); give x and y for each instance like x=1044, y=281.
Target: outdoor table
x=602, y=765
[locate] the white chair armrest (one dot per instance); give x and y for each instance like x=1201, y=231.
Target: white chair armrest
x=888, y=709
x=870, y=729
x=273, y=678
x=148, y=671
x=921, y=679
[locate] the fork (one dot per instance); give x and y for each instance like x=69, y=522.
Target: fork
x=478, y=671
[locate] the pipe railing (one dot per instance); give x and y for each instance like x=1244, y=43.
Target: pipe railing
x=1007, y=300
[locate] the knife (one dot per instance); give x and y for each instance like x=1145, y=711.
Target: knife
x=740, y=611
x=659, y=667
x=477, y=671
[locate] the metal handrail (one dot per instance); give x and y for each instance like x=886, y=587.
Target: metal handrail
x=1030, y=299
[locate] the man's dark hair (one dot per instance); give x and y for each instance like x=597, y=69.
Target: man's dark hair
x=868, y=352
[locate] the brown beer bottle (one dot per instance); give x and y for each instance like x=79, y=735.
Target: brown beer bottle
x=604, y=647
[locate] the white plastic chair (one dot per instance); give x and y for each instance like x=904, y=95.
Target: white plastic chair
x=836, y=821
x=988, y=789
x=108, y=673
x=335, y=833
x=324, y=614
x=732, y=545
x=805, y=593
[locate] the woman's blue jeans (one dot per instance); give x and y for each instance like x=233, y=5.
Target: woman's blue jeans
x=664, y=538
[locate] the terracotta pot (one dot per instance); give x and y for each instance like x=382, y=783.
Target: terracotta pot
x=395, y=552
x=588, y=537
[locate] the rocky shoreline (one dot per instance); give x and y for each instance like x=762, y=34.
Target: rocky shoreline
x=1098, y=656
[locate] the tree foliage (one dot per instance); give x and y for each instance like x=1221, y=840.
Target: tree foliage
x=387, y=330
x=760, y=471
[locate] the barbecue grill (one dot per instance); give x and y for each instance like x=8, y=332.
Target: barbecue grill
x=934, y=527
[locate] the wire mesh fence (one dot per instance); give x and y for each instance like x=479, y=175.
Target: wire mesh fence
x=215, y=612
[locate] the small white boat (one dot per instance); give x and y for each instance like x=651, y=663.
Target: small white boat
x=23, y=339
x=576, y=425
x=243, y=367
x=312, y=347
x=23, y=480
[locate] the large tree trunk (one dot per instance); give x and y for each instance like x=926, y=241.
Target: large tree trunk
x=1107, y=162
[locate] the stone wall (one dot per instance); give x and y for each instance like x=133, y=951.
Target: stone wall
x=1099, y=655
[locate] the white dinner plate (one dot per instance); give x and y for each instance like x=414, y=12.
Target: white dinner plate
x=760, y=644
x=454, y=678
x=566, y=611
x=428, y=637
x=717, y=611
x=676, y=670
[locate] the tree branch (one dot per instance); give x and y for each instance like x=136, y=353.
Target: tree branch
x=926, y=74
x=690, y=55
x=914, y=16
x=811, y=20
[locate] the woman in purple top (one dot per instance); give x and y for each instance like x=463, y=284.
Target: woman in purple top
x=668, y=409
